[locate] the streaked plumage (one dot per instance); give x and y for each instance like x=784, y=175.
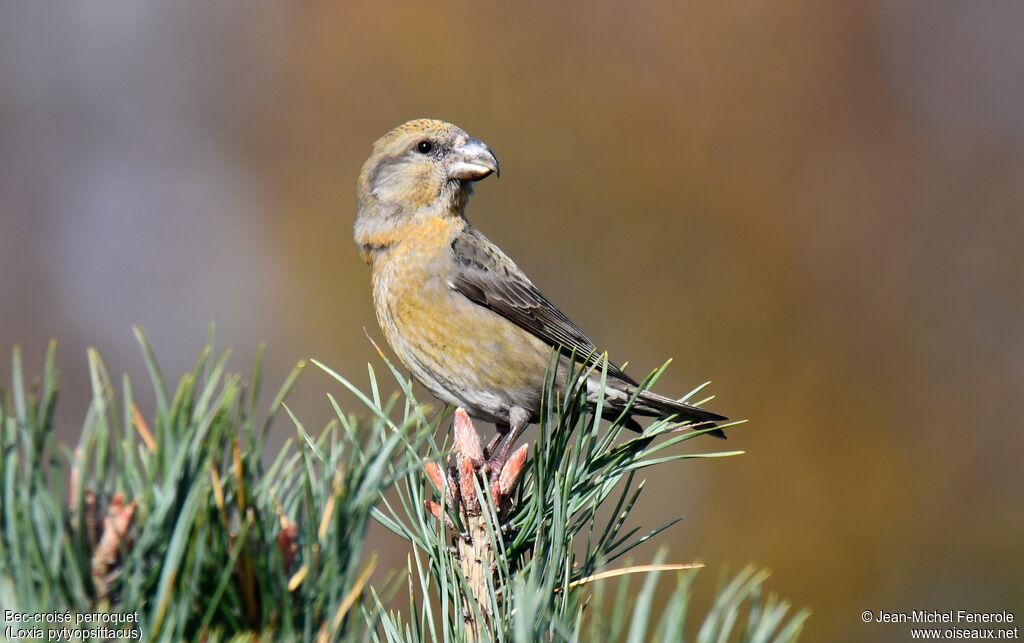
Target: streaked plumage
x=457, y=311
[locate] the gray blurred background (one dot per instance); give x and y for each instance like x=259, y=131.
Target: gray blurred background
x=818, y=206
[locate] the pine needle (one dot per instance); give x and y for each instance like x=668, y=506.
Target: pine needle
x=348, y=602
x=635, y=569
x=143, y=429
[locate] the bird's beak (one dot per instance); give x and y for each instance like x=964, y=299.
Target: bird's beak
x=472, y=161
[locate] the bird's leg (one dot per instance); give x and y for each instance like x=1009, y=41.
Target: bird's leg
x=519, y=425
x=493, y=444
x=518, y=420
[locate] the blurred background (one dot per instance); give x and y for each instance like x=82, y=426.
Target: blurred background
x=818, y=206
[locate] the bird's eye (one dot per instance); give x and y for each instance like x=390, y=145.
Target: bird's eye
x=424, y=147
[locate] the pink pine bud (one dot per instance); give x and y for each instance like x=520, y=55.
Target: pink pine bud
x=467, y=442
x=434, y=509
x=287, y=542
x=436, y=476
x=438, y=512
x=467, y=475
x=512, y=470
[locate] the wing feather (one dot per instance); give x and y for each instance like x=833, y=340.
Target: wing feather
x=488, y=277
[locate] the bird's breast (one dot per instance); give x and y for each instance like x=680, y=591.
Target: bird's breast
x=463, y=352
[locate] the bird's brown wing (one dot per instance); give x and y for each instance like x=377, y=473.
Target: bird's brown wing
x=485, y=275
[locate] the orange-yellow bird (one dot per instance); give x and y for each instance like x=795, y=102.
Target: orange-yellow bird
x=457, y=311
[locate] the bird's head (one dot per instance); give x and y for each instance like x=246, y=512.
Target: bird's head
x=423, y=167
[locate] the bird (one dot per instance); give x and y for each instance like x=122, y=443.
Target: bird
x=456, y=310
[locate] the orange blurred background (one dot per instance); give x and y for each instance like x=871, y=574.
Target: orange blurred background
x=818, y=206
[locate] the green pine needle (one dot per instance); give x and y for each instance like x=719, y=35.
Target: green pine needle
x=223, y=540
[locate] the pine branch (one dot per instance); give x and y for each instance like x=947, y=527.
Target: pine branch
x=181, y=518
x=176, y=518
x=502, y=564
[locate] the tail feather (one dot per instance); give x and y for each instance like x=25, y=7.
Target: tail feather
x=651, y=404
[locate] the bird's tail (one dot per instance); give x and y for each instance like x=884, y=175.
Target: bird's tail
x=651, y=404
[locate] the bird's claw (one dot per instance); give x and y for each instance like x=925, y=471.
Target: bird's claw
x=493, y=466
